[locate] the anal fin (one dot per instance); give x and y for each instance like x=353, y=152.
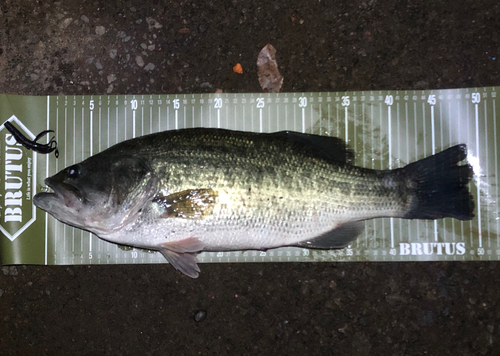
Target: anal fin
x=337, y=238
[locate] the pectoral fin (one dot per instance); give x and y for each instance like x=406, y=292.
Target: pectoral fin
x=181, y=255
x=188, y=204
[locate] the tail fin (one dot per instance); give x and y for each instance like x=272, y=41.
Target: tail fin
x=441, y=186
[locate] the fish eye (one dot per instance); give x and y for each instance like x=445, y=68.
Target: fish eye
x=74, y=171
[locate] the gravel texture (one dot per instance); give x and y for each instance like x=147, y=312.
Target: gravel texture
x=133, y=47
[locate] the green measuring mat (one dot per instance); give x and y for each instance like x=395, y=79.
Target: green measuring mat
x=386, y=130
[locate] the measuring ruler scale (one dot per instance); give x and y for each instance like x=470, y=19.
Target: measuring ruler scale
x=386, y=130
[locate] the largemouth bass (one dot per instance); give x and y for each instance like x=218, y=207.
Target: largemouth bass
x=186, y=191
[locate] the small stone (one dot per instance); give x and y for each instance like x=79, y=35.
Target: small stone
x=65, y=23
x=139, y=61
x=100, y=30
x=152, y=23
x=84, y=19
x=110, y=89
x=112, y=53
x=149, y=66
x=127, y=38
x=151, y=47
x=34, y=76
x=200, y=315
x=98, y=65
x=111, y=78
x=144, y=46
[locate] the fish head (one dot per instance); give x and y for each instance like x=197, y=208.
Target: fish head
x=99, y=195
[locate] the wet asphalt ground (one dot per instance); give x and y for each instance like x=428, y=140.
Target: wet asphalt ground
x=132, y=47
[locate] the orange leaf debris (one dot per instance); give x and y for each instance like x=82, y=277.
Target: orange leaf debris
x=238, y=68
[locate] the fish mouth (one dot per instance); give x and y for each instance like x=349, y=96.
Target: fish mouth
x=59, y=193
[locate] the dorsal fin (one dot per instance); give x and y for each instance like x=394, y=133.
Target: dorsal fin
x=332, y=149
